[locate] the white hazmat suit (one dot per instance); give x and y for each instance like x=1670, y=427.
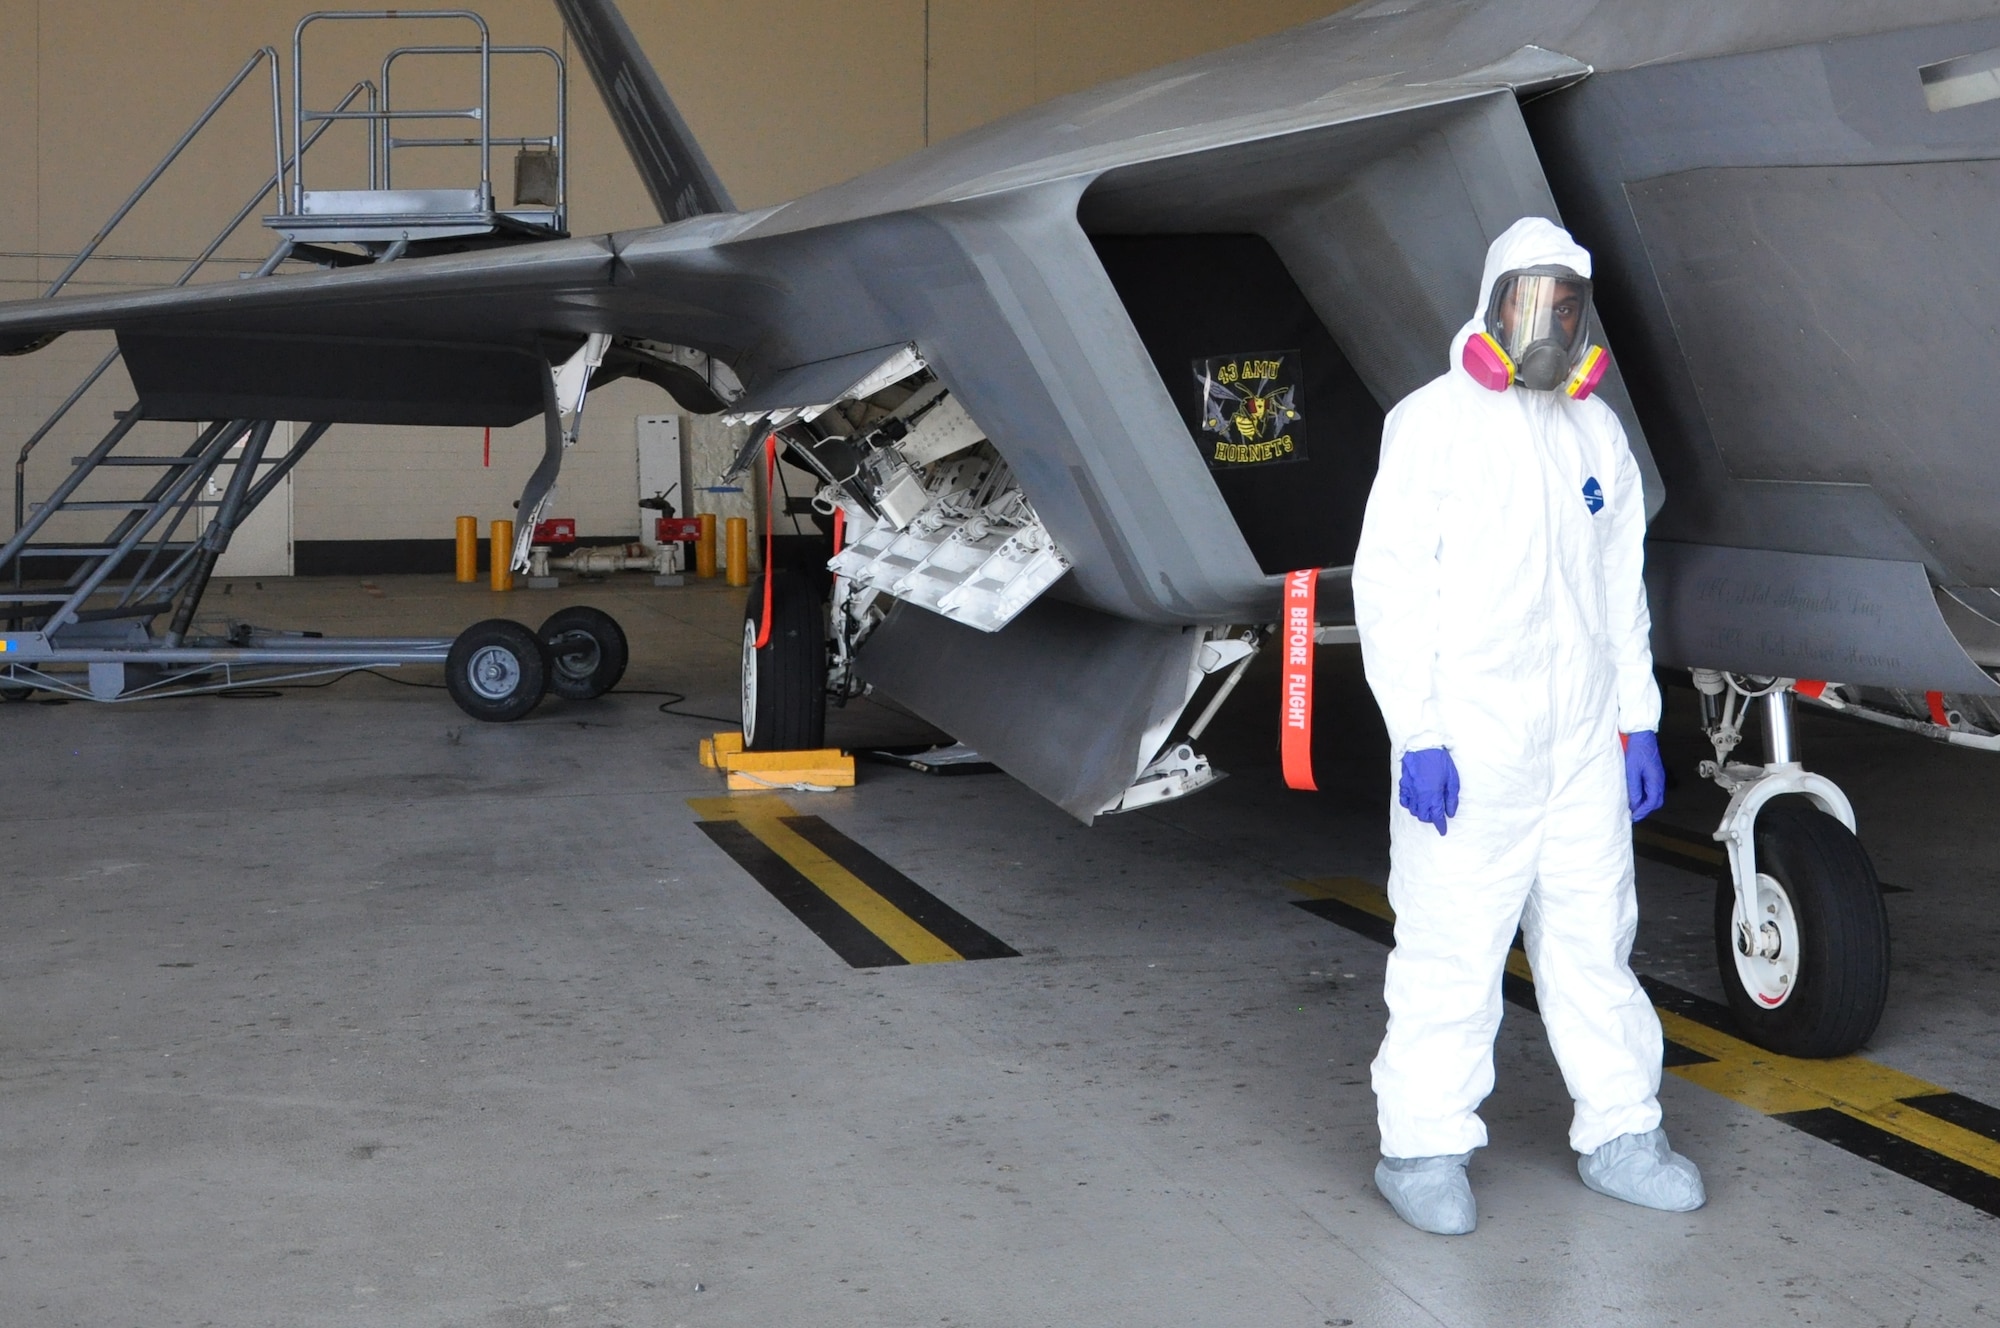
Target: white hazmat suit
x=1503, y=617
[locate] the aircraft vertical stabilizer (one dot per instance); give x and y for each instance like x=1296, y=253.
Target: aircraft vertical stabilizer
x=676, y=171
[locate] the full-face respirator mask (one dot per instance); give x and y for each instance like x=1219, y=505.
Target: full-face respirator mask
x=1535, y=335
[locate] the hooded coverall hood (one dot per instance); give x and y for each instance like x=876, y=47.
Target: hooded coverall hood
x=1529, y=242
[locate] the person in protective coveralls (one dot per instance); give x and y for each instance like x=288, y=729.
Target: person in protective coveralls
x=1504, y=628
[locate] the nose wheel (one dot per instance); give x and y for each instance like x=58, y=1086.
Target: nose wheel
x=1801, y=937
x=1808, y=975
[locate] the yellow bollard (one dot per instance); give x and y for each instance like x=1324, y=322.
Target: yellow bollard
x=468, y=549
x=738, y=532
x=704, y=546
x=501, y=554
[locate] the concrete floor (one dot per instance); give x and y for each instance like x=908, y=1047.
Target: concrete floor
x=338, y=1007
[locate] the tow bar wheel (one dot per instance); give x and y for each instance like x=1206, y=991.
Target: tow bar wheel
x=587, y=650
x=784, y=684
x=1810, y=977
x=497, y=670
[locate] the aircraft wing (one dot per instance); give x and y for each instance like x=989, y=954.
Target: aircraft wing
x=452, y=340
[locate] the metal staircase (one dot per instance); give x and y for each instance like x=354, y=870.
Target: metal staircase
x=91, y=569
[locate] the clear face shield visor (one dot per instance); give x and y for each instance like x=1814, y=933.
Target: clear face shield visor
x=1537, y=316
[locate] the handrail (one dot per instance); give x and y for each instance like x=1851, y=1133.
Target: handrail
x=484, y=113
x=173, y=153
x=560, y=142
x=276, y=181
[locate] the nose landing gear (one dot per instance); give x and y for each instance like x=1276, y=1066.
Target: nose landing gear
x=1801, y=936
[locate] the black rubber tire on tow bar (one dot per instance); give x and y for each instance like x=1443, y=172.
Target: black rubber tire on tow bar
x=497, y=670
x=588, y=651
x=1823, y=994
x=784, y=684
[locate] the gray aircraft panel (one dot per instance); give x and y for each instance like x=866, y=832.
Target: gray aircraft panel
x=1256, y=92
x=1809, y=346
x=1795, y=615
x=817, y=383
x=1858, y=293
x=1349, y=64
x=1059, y=698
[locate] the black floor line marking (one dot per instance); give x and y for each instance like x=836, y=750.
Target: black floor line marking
x=1516, y=990
x=1964, y=1112
x=1350, y=917
x=1943, y=1174
x=829, y=921
x=1913, y=1161
x=924, y=908
x=1675, y=1054
x=1698, y=1008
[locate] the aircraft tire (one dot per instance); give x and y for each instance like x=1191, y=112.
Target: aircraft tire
x=1823, y=994
x=784, y=684
x=587, y=651
x=497, y=670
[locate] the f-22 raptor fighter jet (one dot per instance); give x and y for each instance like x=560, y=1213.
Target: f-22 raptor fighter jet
x=1086, y=383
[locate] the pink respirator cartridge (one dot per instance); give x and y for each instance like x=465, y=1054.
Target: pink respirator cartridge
x=1589, y=373
x=1487, y=363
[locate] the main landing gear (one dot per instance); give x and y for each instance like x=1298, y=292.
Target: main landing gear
x=1801, y=936
x=784, y=679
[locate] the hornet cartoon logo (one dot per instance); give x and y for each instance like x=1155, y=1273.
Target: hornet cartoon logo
x=1251, y=409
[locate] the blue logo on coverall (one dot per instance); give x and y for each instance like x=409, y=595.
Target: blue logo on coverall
x=1593, y=495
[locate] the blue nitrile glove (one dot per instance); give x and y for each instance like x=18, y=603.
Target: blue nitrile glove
x=1645, y=774
x=1428, y=789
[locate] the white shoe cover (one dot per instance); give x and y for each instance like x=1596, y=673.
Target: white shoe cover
x=1641, y=1169
x=1430, y=1193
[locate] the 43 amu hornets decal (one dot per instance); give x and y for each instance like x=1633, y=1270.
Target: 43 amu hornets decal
x=1252, y=410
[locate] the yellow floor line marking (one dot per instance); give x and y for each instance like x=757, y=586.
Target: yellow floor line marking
x=760, y=814
x=1674, y=843
x=1761, y=1080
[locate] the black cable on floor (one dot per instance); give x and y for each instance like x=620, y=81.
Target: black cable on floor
x=254, y=693
x=732, y=720
x=675, y=699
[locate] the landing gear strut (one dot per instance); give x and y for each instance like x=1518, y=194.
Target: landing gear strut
x=1801, y=936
